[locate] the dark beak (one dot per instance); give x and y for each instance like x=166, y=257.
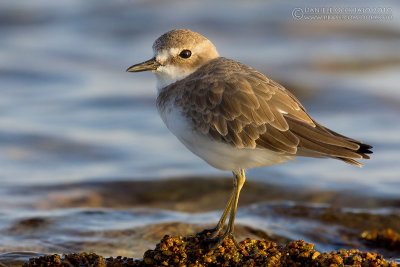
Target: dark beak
x=151, y=64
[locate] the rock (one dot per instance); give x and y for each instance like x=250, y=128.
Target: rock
x=387, y=238
x=187, y=251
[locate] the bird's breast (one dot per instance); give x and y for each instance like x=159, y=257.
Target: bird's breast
x=170, y=113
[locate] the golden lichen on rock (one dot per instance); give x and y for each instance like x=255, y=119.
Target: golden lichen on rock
x=387, y=238
x=187, y=251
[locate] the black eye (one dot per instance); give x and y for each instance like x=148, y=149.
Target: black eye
x=185, y=53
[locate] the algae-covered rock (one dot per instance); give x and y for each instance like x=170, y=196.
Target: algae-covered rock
x=387, y=238
x=187, y=251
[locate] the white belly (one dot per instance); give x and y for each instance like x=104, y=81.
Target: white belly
x=219, y=155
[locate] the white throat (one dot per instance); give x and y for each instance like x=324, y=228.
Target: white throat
x=167, y=75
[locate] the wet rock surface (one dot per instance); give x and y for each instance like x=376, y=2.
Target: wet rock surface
x=182, y=251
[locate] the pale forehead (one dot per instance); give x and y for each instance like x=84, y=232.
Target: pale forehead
x=178, y=39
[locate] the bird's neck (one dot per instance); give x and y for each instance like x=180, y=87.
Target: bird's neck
x=167, y=75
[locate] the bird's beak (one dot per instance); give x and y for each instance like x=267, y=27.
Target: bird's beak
x=151, y=64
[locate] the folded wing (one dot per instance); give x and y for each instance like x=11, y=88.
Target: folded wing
x=244, y=108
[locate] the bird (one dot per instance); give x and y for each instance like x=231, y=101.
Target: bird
x=234, y=117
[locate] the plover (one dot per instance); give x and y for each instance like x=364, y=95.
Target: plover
x=233, y=116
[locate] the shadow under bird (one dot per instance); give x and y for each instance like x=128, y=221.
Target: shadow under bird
x=234, y=117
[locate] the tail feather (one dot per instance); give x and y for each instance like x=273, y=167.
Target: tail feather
x=351, y=161
x=345, y=149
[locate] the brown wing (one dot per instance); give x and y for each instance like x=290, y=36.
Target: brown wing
x=235, y=104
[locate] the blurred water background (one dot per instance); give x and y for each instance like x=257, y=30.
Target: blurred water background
x=71, y=115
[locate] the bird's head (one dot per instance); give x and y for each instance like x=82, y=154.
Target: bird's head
x=177, y=54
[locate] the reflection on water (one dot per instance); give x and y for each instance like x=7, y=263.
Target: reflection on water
x=70, y=113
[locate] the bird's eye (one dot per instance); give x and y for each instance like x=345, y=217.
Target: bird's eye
x=185, y=53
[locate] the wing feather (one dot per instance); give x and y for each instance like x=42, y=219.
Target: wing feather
x=233, y=103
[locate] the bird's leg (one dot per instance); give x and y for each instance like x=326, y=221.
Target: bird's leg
x=215, y=231
x=238, y=182
x=224, y=215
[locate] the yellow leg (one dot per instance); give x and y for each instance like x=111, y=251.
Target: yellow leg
x=238, y=182
x=223, y=218
x=217, y=229
x=239, y=179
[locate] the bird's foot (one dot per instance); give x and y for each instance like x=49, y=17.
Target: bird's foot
x=209, y=233
x=212, y=243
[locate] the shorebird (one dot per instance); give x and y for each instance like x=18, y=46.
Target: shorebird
x=233, y=116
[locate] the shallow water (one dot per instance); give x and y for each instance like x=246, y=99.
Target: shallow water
x=71, y=115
